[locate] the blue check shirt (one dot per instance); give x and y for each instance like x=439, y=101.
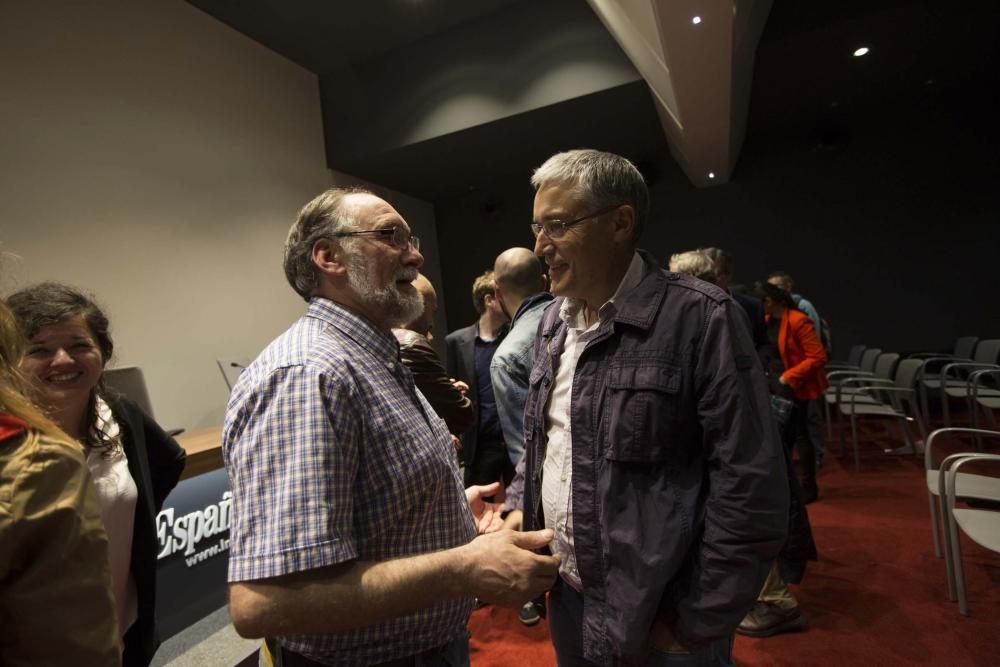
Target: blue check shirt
x=334, y=455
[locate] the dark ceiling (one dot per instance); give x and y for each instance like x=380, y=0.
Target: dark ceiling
x=324, y=35
x=808, y=87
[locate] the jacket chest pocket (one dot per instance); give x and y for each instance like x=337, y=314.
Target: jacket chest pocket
x=538, y=384
x=640, y=411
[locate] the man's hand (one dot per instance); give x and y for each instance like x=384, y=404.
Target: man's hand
x=455, y=441
x=513, y=520
x=503, y=570
x=487, y=515
x=461, y=386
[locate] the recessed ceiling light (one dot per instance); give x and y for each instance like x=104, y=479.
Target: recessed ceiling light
x=860, y=52
x=696, y=20
x=711, y=174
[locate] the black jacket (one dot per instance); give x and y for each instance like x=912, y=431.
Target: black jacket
x=155, y=461
x=429, y=375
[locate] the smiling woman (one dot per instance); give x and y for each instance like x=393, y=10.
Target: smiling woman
x=133, y=463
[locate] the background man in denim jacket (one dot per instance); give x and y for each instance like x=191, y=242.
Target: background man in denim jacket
x=649, y=445
x=521, y=290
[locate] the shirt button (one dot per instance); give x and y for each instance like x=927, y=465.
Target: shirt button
x=563, y=478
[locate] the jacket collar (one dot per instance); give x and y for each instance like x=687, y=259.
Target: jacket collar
x=529, y=303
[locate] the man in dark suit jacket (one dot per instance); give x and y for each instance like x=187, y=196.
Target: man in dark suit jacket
x=446, y=397
x=468, y=352
x=724, y=269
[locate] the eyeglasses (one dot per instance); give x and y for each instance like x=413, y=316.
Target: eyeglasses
x=554, y=229
x=396, y=236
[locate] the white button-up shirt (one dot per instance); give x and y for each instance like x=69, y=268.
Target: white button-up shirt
x=557, y=470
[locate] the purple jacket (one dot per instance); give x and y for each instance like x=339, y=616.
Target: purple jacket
x=680, y=493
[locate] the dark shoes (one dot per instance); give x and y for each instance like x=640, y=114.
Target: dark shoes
x=766, y=619
x=531, y=613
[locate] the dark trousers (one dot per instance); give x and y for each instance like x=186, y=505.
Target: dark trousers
x=490, y=464
x=566, y=628
x=797, y=437
x=452, y=654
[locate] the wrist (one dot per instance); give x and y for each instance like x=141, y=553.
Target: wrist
x=459, y=579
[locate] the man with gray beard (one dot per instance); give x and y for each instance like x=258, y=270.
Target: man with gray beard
x=352, y=539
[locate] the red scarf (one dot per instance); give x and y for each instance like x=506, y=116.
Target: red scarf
x=11, y=426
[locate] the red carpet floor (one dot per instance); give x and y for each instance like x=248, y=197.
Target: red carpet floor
x=877, y=596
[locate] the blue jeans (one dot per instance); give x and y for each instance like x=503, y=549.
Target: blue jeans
x=566, y=626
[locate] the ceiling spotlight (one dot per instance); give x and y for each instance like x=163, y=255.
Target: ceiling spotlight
x=860, y=52
x=711, y=174
x=696, y=20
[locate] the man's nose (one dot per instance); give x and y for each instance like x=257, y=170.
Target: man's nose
x=412, y=257
x=543, y=244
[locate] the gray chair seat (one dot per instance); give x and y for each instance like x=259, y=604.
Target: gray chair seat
x=982, y=526
x=967, y=485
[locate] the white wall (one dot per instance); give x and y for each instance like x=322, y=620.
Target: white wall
x=156, y=157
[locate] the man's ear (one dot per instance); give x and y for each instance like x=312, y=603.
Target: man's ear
x=624, y=219
x=328, y=257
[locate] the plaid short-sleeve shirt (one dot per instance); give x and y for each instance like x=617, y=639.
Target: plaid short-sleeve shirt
x=334, y=455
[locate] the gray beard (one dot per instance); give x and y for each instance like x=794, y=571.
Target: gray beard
x=395, y=307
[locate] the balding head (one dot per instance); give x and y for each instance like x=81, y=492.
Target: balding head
x=518, y=274
x=424, y=322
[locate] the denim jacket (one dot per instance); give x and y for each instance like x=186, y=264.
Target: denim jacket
x=680, y=494
x=510, y=369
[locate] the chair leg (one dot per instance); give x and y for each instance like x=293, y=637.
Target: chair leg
x=948, y=532
x=934, y=525
x=922, y=390
x=854, y=441
x=907, y=441
x=840, y=429
x=974, y=406
x=958, y=570
x=829, y=423
x=945, y=414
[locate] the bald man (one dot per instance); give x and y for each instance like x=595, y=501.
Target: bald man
x=521, y=290
x=446, y=397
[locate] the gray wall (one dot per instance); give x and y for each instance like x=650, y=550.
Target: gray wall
x=155, y=157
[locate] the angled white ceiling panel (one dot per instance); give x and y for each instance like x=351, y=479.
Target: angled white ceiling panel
x=699, y=71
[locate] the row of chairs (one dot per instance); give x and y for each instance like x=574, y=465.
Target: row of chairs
x=945, y=486
x=877, y=384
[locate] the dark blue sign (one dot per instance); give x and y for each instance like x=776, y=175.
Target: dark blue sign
x=193, y=531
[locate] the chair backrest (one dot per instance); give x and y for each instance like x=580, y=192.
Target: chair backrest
x=906, y=372
x=988, y=351
x=869, y=358
x=964, y=346
x=854, y=356
x=230, y=371
x=130, y=383
x=885, y=367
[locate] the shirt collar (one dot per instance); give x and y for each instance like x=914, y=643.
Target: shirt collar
x=380, y=343
x=571, y=311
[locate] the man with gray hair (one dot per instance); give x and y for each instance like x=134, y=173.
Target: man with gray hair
x=649, y=445
x=694, y=263
x=352, y=539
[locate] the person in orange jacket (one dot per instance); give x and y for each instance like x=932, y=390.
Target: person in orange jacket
x=797, y=372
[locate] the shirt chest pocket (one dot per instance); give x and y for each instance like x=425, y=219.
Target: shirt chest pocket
x=640, y=411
